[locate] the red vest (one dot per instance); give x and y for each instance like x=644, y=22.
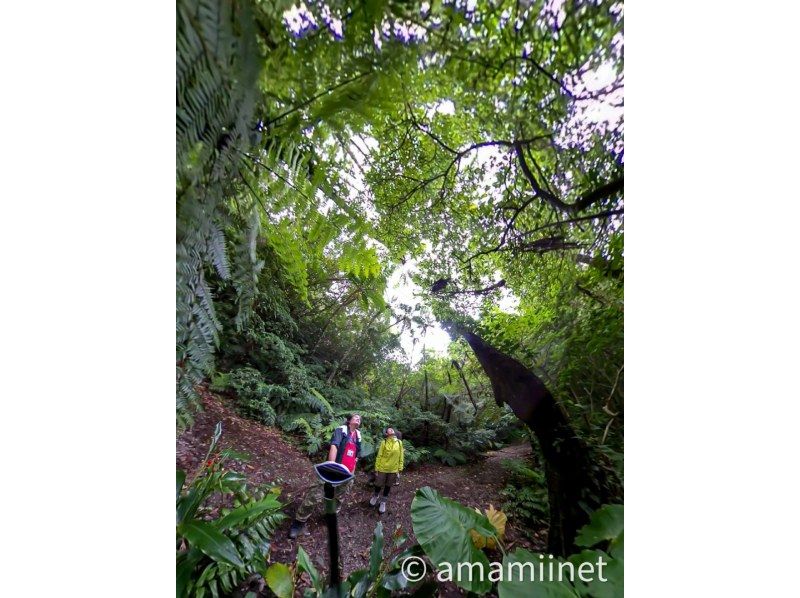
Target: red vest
x=349, y=456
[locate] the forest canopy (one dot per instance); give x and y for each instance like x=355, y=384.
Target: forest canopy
x=475, y=146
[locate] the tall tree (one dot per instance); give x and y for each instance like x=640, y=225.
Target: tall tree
x=576, y=484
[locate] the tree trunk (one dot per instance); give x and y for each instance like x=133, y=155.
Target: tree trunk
x=464, y=380
x=400, y=394
x=570, y=468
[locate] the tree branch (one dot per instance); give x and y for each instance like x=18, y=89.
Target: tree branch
x=582, y=203
x=497, y=285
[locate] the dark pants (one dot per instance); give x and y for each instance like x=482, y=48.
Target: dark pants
x=384, y=481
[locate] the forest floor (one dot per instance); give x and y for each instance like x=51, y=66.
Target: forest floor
x=274, y=459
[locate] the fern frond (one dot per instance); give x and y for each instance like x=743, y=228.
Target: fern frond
x=319, y=402
x=218, y=63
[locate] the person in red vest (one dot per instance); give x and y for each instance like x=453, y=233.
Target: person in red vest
x=345, y=448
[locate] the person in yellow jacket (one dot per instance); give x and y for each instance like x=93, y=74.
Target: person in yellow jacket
x=388, y=464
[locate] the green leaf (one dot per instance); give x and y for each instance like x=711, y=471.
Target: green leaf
x=187, y=505
x=280, y=580
x=322, y=403
x=239, y=514
x=184, y=569
x=359, y=580
x=606, y=524
x=617, y=547
x=376, y=551
x=429, y=589
x=180, y=477
x=232, y=481
x=442, y=528
x=524, y=580
x=216, y=437
x=362, y=583
x=394, y=581
x=344, y=590
x=413, y=550
x=612, y=572
x=304, y=564
x=210, y=541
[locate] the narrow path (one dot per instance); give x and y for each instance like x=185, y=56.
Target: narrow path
x=275, y=460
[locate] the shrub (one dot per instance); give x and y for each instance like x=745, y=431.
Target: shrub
x=254, y=395
x=450, y=458
x=525, y=494
x=216, y=554
x=413, y=454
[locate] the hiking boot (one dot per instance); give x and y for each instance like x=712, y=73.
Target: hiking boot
x=374, y=500
x=382, y=507
x=297, y=527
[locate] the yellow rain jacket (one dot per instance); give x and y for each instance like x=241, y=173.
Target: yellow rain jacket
x=390, y=456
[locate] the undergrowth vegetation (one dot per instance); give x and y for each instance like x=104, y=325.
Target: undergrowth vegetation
x=224, y=527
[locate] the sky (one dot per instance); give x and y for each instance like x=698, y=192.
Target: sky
x=401, y=289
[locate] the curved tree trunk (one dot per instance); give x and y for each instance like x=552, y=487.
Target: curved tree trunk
x=573, y=477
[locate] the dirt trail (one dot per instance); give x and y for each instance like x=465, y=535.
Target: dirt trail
x=275, y=460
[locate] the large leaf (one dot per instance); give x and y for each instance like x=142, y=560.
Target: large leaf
x=611, y=571
x=210, y=541
x=606, y=524
x=246, y=511
x=523, y=580
x=280, y=580
x=442, y=528
x=367, y=447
